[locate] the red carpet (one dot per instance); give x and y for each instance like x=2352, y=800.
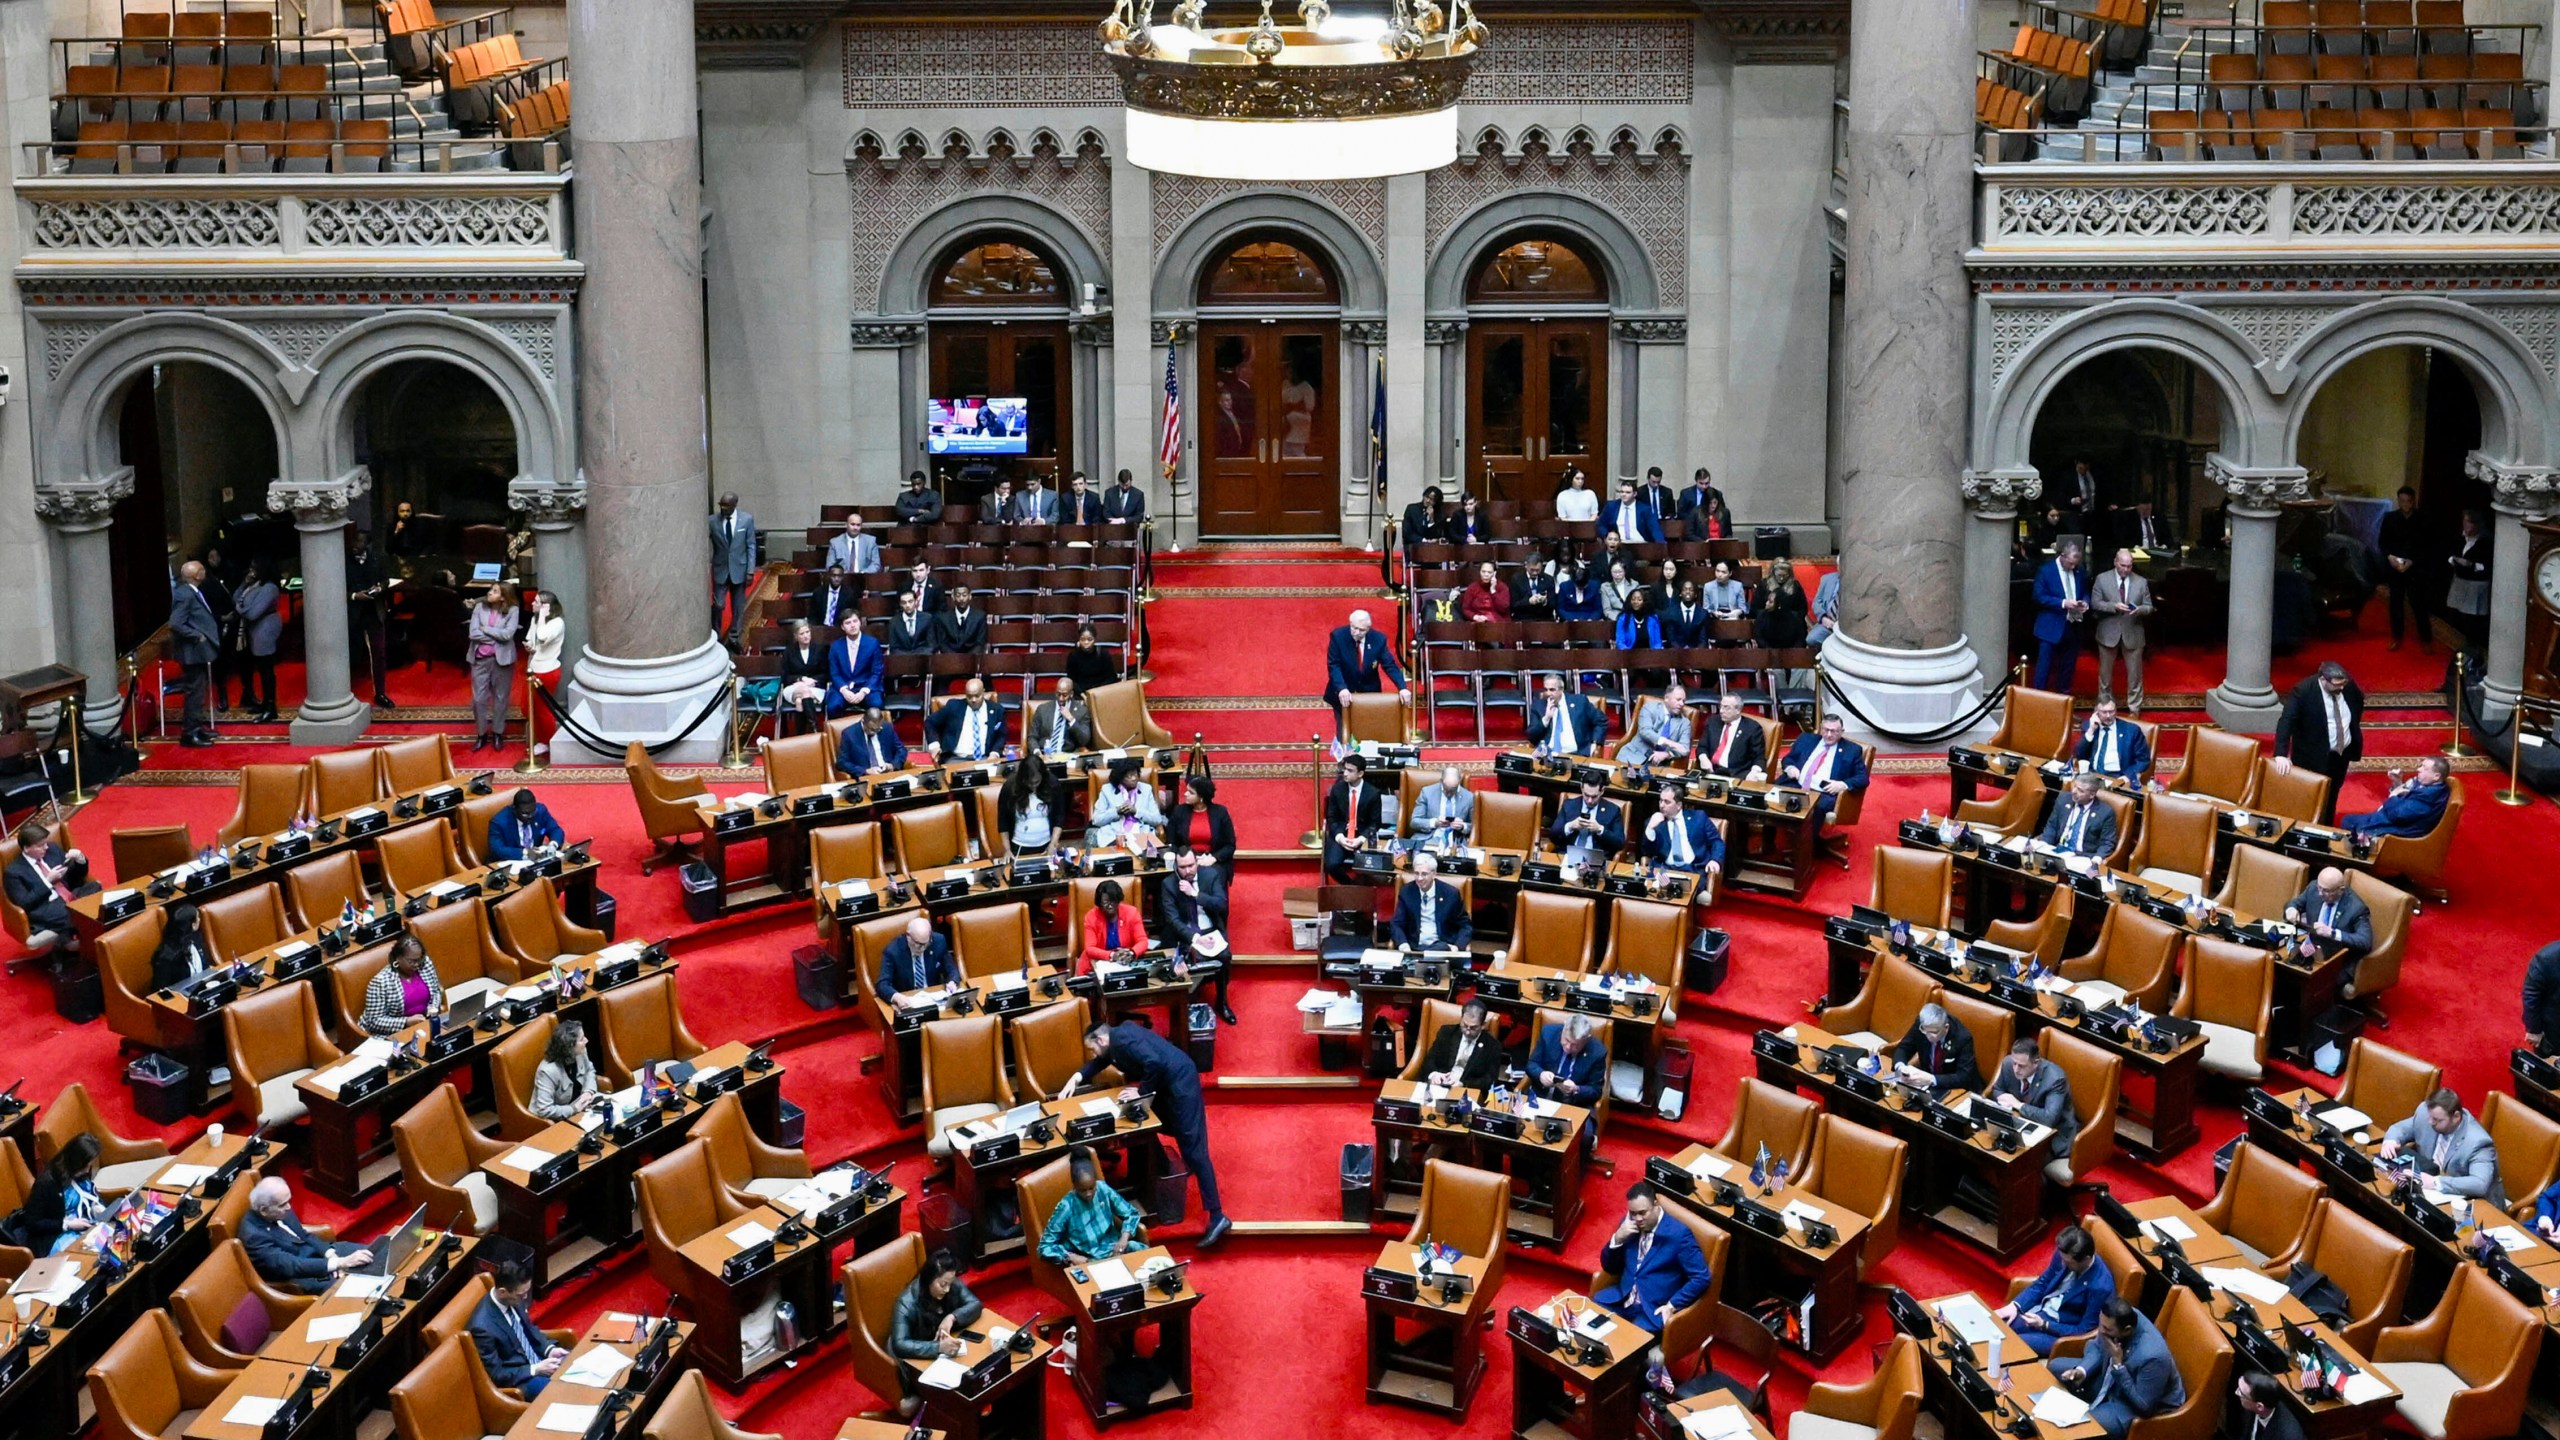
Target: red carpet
x=1277, y=1148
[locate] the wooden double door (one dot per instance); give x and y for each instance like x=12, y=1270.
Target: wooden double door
x=1270, y=432
x=1536, y=397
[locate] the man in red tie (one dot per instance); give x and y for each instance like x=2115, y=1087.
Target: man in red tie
x=1734, y=746
x=1938, y=1053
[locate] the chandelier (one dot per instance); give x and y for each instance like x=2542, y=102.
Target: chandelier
x=1333, y=97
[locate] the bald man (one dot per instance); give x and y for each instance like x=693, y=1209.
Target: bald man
x=283, y=1250
x=1359, y=661
x=917, y=960
x=2335, y=915
x=198, y=638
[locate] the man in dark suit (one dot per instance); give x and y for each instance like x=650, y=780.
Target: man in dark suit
x=198, y=637
x=1359, y=661
x=2062, y=603
x=962, y=629
x=1061, y=724
x=2111, y=745
x=515, y=1352
x=1630, y=519
x=1568, y=1065
x=733, y=565
x=2413, y=806
x=522, y=828
x=911, y=630
x=1683, y=839
x=1733, y=744
x=970, y=727
x=1463, y=1056
x=1828, y=764
x=1938, y=1051
x=1163, y=1072
x=2033, y=1088
x=856, y=669
x=1080, y=505
x=42, y=882
x=1562, y=724
x=2082, y=824
x=2321, y=729
x=368, y=603
x=1430, y=915
x=1352, y=811
x=928, y=595
x=2336, y=916
x=2405, y=548
x=1587, y=818
x=2262, y=1413
x=2542, y=1000
x=2137, y=527
x=2081, y=505
x=917, y=504
x=1704, y=515
x=1657, y=497
x=284, y=1252
x=2127, y=1372
x=1193, y=907
x=1124, y=501
x=871, y=747
x=918, y=960
x=834, y=599
x=1659, y=1268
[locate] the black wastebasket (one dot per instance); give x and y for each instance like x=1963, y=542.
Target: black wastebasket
x=1173, y=1190
x=946, y=1225
x=818, y=977
x=159, y=1086
x=701, y=892
x=1710, y=958
x=605, y=915
x=1358, y=1166
x=1204, y=1038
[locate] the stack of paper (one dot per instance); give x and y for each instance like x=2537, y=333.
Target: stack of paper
x=1317, y=1001
x=597, y=1368
x=2345, y=1117
x=182, y=1176
x=2248, y=1284
x=1720, y=1423
x=1343, y=1013
x=362, y=1287
x=750, y=1234
x=2169, y=1227
x=2098, y=994
x=2363, y=1387
x=1710, y=1166
x=526, y=1157
x=1797, y=1212
x=328, y=1329
x=335, y=1078
x=2060, y=1408
x=252, y=1411
x=566, y=1419
x=1101, y=1107
x=943, y=1374
x=1866, y=1040
x=1110, y=1274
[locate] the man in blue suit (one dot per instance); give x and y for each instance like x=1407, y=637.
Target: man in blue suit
x=515, y=1352
x=1359, y=661
x=968, y=728
x=1681, y=838
x=856, y=669
x=1163, y=1072
x=1562, y=724
x=2114, y=746
x=1659, y=1266
x=1430, y=915
x=2062, y=601
x=1630, y=519
x=196, y=636
x=522, y=828
x=2127, y=1372
x=1827, y=764
x=2065, y=1301
x=1591, y=819
x=917, y=960
x=871, y=748
x=2414, y=805
x=1568, y=1066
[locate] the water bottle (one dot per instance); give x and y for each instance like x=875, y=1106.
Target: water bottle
x=973, y=850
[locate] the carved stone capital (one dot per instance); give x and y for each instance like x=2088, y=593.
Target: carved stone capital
x=2528, y=492
x=877, y=335
x=317, y=504
x=77, y=509
x=1365, y=332
x=2258, y=491
x=1170, y=332
x=1652, y=332
x=1093, y=331
x=1443, y=332
x=548, y=503
x=1997, y=494
x=1780, y=32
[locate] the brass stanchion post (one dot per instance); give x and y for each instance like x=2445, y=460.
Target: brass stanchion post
x=81, y=794
x=1149, y=552
x=737, y=758
x=2454, y=749
x=531, y=764
x=1314, y=838
x=2515, y=794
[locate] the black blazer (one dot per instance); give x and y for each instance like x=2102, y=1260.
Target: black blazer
x=2302, y=728
x=848, y=600
x=1222, y=831
x=1337, y=816
x=1956, y=1068
x=1092, y=669
x=169, y=966
x=1484, y=1063
x=1182, y=912
x=1750, y=746
x=1613, y=825
x=285, y=1253
x=37, y=1224
x=957, y=634
x=1456, y=927
x=917, y=639
x=809, y=664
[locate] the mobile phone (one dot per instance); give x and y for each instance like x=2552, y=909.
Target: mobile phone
x=974, y=1337
x=1077, y=1275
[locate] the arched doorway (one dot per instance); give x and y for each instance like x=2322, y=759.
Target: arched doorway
x=2142, y=419
x=439, y=440
x=2400, y=415
x=203, y=452
x=1270, y=392
x=999, y=367
x=1537, y=367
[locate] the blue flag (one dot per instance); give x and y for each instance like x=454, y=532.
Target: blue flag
x=1378, y=428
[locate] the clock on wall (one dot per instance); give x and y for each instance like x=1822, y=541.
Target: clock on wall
x=2542, y=615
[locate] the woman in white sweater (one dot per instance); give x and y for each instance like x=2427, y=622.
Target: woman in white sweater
x=542, y=637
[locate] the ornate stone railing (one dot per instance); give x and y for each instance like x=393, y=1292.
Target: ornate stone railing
x=300, y=222
x=2477, y=210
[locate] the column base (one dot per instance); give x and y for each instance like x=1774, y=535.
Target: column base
x=2497, y=702
x=619, y=701
x=1907, y=691
x=2234, y=708
x=336, y=722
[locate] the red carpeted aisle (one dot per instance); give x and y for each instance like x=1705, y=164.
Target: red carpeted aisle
x=1280, y=1332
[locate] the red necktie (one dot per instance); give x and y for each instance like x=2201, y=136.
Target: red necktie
x=1724, y=744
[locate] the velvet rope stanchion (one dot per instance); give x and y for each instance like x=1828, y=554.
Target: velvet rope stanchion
x=1949, y=731
x=2454, y=749
x=531, y=764
x=562, y=723
x=1314, y=838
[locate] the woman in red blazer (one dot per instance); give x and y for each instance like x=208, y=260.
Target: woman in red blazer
x=1110, y=925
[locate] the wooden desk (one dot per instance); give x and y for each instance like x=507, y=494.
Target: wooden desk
x=1972, y=767
x=1552, y=1169
x=1706, y=1408
x=621, y=1334
x=2536, y=1080
x=2024, y=1378
x=1389, y=983
x=797, y=1276
x=975, y=1183
x=265, y=1380
x=1950, y=1181
x=1439, y=1366
x=1784, y=814
x=1496, y=877
x=1099, y=1342
x=1764, y=1266
x=1012, y=1407
x=1636, y=1013
x=1553, y=1397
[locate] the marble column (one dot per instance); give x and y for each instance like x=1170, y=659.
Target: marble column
x=2246, y=698
x=1900, y=658
x=1655, y=379
x=1408, y=458
x=80, y=515
x=1993, y=497
x=557, y=513
x=880, y=457
x=2521, y=495
x=1137, y=364
x=651, y=662
x=1448, y=342
x=330, y=713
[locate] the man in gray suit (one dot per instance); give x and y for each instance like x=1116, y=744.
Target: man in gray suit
x=2031, y=1087
x=198, y=640
x=2120, y=598
x=2444, y=1141
x=1444, y=815
x=1662, y=730
x=1036, y=505
x=733, y=566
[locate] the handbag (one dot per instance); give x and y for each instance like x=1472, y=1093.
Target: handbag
x=2322, y=1294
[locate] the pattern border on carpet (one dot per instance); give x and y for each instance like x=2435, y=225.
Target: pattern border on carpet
x=1264, y=592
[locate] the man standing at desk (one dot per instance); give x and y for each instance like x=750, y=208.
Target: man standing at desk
x=2121, y=598
x=1359, y=661
x=1430, y=914
x=1158, y=1069
x=1659, y=1266
x=733, y=566
x=2082, y=824
x=2127, y=1373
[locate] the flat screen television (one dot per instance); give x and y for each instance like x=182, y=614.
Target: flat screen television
x=978, y=425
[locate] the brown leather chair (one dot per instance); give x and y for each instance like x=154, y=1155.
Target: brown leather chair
x=870, y=937
x=2528, y=1144
x=931, y=837
x=123, y=957
x=2176, y=847
x=2368, y=1262
x=440, y=1159
x=512, y=1063
x=2221, y=765
x=203, y=1301
x=680, y=1201
x=2097, y=1090
x=668, y=807
x=1507, y=822
x=414, y=763
x=2204, y=1358
x=2013, y=811
x=1469, y=1209
x=1859, y=1168
x=964, y=1077
x=1552, y=930
x=1036, y=1193
x=1887, y=1005
x=2387, y=1084
x=274, y=1039
x=2036, y=722
x=245, y=922
x=2128, y=815
x=2261, y=883
x=995, y=940
x=322, y=889
x=145, y=850
x=147, y=1386
x=462, y=947
x=448, y=1396
x=1381, y=717
x=1913, y=885
x=344, y=780
x=2420, y=862
x=123, y=1164
x=992, y=841
x=16, y=1183
x=2133, y=952
x=1648, y=938
x=40, y=942
x=417, y=856
x=1886, y=1407
x=2296, y=793
x=1763, y=1114
x=752, y=1171
x=689, y=1413
x=797, y=762
x=471, y=825
x=270, y=796
x=454, y=1320
x=838, y=853
x=2379, y=970
x=1048, y=1047
x=641, y=1023
x=2229, y=989
x=1438, y=1015
x=534, y=930
x=2264, y=1206
x=1693, y=1324
x=2041, y=937
x=1120, y=716
x=2464, y=1371
x=872, y=1284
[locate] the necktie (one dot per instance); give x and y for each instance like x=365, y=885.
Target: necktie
x=831, y=607
x=2329, y=912
x=1820, y=770
x=2107, y=753
x=915, y=969
x=1429, y=933
x=1679, y=841
x=1057, y=727
x=2337, y=724
x=1724, y=745
x=2079, y=826
x=1644, y=1245
x=524, y=835
x=2070, y=591
x=1627, y=522
x=2444, y=1146
x=60, y=886
x=1466, y=1047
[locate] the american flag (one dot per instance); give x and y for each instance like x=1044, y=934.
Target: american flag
x=1171, y=455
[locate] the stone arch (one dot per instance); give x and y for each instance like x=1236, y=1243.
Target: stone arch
x=1209, y=234
x=1602, y=236
x=354, y=354
x=2253, y=432
x=79, y=425
x=906, y=281
x=2515, y=393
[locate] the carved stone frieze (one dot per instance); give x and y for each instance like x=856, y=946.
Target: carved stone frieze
x=874, y=335
x=1780, y=32
x=150, y=222
x=1170, y=332
x=65, y=339
x=1365, y=332
x=1444, y=332
x=2015, y=327
x=2531, y=492
x=760, y=34
x=375, y=222
x=548, y=503
x=1652, y=332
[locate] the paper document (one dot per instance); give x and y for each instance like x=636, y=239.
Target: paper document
x=1101, y=1107
x=1970, y=1319
x=256, y=1410
x=2098, y=994
x=2060, y=1408
x=525, y=1157
x=2511, y=1239
x=943, y=1374
x=1866, y=1040
x=1710, y=1167
x=520, y=992
x=852, y=889
x=2248, y=1284
x=1797, y=1210
x=2169, y=1227
x=627, y=950
x=1009, y=980
x=1209, y=944
x=567, y=1419
x=2364, y=1386
x=1316, y=1001
x=1110, y=1274
x=335, y=1078
x=443, y=888
x=2345, y=1117
x=327, y=1329
x=597, y=1368
x=1343, y=1013
x=112, y=896
x=376, y=1048
x=1720, y=1423
x=182, y=1176
x=362, y=1287
x=751, y=1233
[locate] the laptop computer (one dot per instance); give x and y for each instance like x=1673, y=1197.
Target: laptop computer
x=463, y=1007
x=396, y=1244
